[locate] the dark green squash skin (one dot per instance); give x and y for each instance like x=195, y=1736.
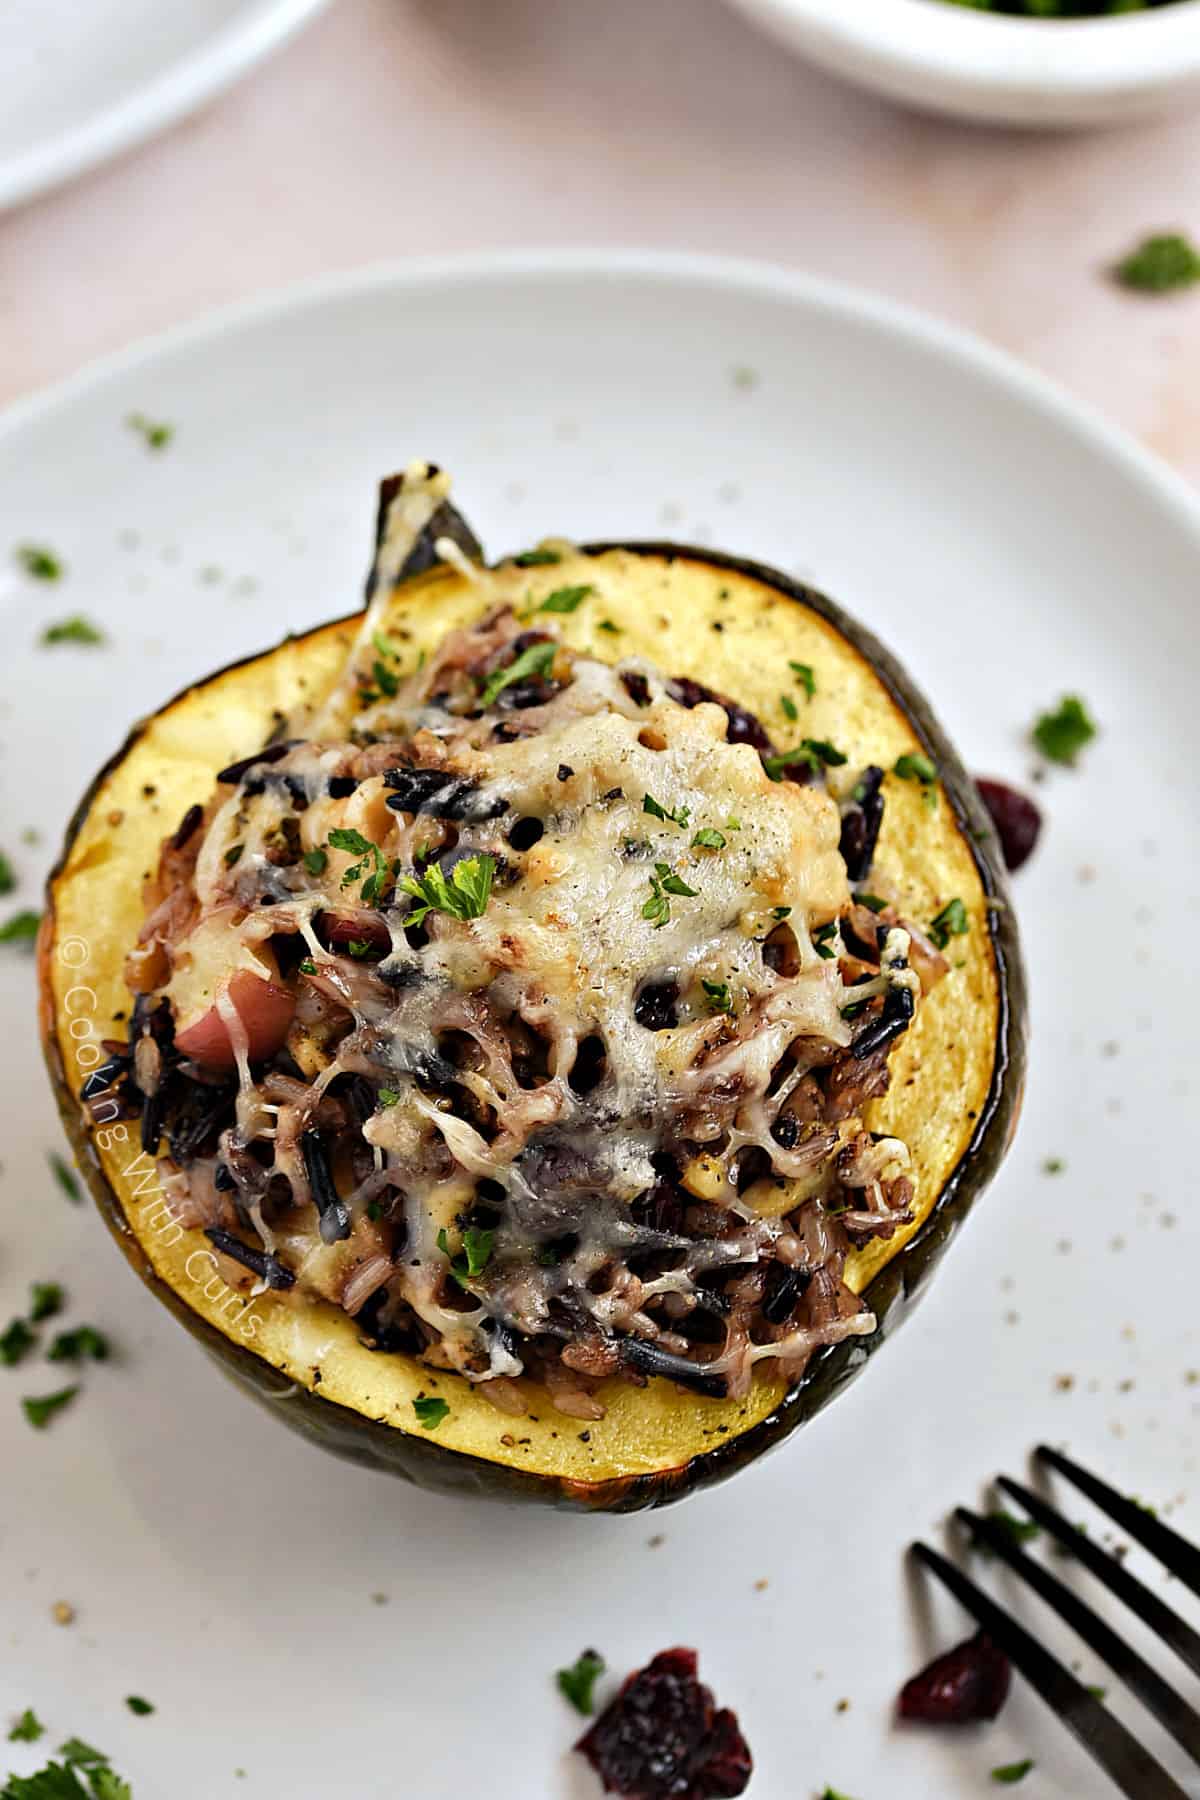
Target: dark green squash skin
x=892, y=1295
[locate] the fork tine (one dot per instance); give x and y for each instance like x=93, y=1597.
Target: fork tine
x=1174, y=1552
x=1175, y=1632
x=1168, y=1707
x=1117, y=1751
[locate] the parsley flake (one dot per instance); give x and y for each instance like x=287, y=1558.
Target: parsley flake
x=1062, y=734
x=607, y=625
x=464, y=895
x=233, y=855
x=8, y=880
x=40, y=563
x=719, y=998
x=566, y=599
x=536, y=660
x=1161, y=264
x=40, y=1409
x=308, y=966
x=20, y=928
x=1010, y=1773
x=790, y=709
x=952, y=921
x=388, y=1096
x=45, y=1299
x=872, y=902
x=154, y=433
x=781, y=912
x=430, y=1412
x=578, y=1682
x=84, y=1343
x=663, y=882
x=16, y=1343
x=824, y=938
x=135, y=1703
x=1053, y=1165
x=537, y=559
x=817, y=753
x=373, y=869
x=28, y=1728
x=678, y=815
x=315, y=861
x=1018, y=1531
x=75, y=630
x=914, y=765
x=709, y=839
x=477, y=1250
x=64, y=1175
x=804, y=675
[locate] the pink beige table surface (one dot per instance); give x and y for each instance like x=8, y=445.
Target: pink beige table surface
x=397, y=128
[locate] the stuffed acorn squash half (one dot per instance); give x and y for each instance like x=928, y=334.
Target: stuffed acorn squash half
x=541, y=1032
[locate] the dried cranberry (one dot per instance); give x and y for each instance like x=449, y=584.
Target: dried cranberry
x=967, y=1683
x=663, y=1739
x=1017, y=820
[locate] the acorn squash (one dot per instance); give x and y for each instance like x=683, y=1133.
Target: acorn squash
x=957, y=1074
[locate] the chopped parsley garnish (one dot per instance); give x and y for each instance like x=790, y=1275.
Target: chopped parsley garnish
x=135, y=1703
x=75, y=630
x=816, y=752
x=1019, y=1531
x=535, y=660
x=1053, y=1165
x=20, y=928
x=709, y=839
x=607, y=625
x=155, y=434
x=824, y=938
x=16, y=1343
x=308, y=966
x=1062, y=734
x=388, y=1096
x=476, y=1253
x=1010, y=1773
x=566, y=599
x=872, y=902
x=914, y=765
x=385, y=679
x=1098, y=1693
x=1161, y=264
x=664, y=881
x=536, y=559
x=315, y=861
x=464, y=895
x=8, y=880
x=359, y=948
x=833, y=1794
x=373, y=868
x=64, y=1176
x=952, y=921
x=233, y=855
x=81, y=1755
x=40, y=1409
x=804, y=675
x=45, y=1299
x=39, y=562
x=84, y=1343
x=678, y=815
x=781, y=912
x=430, y=1413
x=28, y=1728
x=579, y=1681
x=719, y=998
x=790, y=709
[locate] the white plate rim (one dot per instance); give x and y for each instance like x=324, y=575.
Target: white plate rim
x=236, y=49
x=755, y=278
x=1002, y=56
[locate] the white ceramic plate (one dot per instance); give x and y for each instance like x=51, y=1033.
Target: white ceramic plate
x=78, y=83
x=1011, y=549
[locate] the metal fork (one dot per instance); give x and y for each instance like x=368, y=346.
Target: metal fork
x=1117, y=1751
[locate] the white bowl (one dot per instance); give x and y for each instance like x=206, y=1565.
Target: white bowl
x=976, y=65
